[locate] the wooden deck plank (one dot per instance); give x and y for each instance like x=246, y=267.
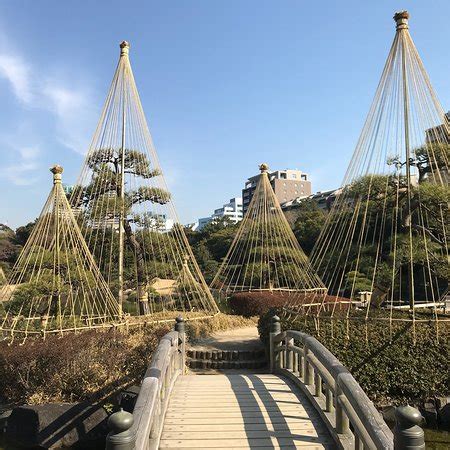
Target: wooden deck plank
x=248, y=420
x=238, y=434
x=221, y=427
x=305, y=442
x=242, y=402
x=236, y=417
x=270, y=446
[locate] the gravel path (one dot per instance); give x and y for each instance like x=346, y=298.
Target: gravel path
x=238, y=339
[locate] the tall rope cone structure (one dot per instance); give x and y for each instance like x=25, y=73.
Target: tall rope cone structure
x=265, y=255
x=127, y=215
x=55, y=285
x=385, y=242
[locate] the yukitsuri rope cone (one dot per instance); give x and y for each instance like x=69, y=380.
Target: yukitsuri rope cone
x=55, y=285
x=385, y=242
x=127, y=215
x=265, y=255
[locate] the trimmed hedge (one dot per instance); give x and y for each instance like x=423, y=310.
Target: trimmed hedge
x=390, y=366
x=257, y=303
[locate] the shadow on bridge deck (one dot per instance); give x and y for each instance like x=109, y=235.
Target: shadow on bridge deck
x=241, y=411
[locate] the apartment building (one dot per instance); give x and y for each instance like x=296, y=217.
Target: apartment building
x=232, y=210
x=287, y=184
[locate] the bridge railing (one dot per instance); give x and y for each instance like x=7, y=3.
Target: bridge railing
x=142, y=429
x=348, y=413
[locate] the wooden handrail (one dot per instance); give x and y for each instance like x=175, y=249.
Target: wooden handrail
x=348, y=413
x=142, y=429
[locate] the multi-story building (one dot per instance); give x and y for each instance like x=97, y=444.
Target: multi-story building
x=232, y=210
x=324, y=200
x=287, y=184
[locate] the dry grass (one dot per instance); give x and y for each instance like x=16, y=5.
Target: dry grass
x=91, y=365
x=88, y=366
x=221, y=322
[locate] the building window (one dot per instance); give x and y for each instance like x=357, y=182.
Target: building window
x=283, y=176
x=294, y=175
x=296, y=192
x=303, y=177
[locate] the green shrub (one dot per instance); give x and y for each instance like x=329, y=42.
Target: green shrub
x=389, y=365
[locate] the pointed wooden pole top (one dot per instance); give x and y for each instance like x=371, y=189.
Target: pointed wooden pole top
x=56, y=170
x=401, y=19
x=264, y=167
x=124, y=48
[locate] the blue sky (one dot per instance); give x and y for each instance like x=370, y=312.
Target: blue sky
x=225, y=85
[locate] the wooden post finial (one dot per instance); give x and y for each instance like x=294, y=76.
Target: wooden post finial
x=124, y=48
x=401, y=18
x=56, y=170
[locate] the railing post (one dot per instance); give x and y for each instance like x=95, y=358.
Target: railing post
x=275, y=330
x=408, y=435
x=307, y=369
x=154, y=431
x=342, y=422
x=317, y=384
x=289, y=355
x=181, y=329
x=120, y=437
x=295, y=363
x=328, y=399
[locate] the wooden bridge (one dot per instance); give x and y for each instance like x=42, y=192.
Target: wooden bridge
x=240, y=411
x=307, y=399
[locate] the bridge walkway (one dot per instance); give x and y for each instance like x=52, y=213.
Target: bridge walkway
x=241, y=411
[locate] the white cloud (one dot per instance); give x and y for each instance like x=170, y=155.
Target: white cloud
x=74, y=111
x=63, y=100
x=68, y=100
x=22, y=172
x=28, y=153
x=17, y=72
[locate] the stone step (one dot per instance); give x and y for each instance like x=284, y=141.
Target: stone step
x=226, y=355
x=226, y=359
x=215, y=364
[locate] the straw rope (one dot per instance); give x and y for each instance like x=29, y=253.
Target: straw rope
x=265, y=255
x=388, y=226
x=127, y=215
